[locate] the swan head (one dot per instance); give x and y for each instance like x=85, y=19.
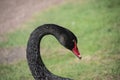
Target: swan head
x=69, y=41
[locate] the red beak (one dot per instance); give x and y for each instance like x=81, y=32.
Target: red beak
x=76, y=51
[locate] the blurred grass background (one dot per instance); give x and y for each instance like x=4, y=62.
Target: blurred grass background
x=96, y=23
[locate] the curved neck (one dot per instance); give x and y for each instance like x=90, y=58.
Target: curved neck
x=37, y=67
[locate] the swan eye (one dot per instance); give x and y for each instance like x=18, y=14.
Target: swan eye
x=73, y=40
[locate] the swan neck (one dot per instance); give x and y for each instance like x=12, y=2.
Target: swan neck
x=36, y=65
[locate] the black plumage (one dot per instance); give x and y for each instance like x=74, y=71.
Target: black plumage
x=36, y=65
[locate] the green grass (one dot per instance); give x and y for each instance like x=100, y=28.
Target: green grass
x=94, y=22
x=17, y=71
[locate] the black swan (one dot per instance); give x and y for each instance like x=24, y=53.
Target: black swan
x=36, y=65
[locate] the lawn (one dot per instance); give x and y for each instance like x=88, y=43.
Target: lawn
x=96, y=23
